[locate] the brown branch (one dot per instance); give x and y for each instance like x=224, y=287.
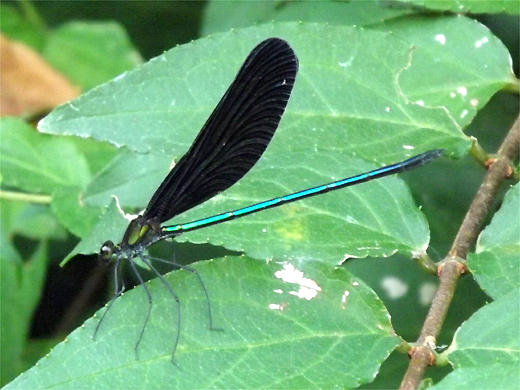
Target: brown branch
x=480, y=206
x=453, y=266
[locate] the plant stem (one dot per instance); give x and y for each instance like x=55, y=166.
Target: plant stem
x=23, y=197
x=453, y=266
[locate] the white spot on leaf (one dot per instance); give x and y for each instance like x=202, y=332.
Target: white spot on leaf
x=481, y=42
x=440, y=38
x=463, y=91
x=308, y=287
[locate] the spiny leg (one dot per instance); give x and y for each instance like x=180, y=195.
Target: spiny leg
x=172, y=263
x=165, y=282
x=142, y=283
x=117, y=293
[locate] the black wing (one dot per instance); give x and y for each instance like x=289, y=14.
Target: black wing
x=235, y=135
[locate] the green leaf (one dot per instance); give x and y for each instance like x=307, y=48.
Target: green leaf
x=300, y=325
x=91, y=53
x=318, y=140
x=458, y=64
x=491, y=335
x=494, y=264
x=489, y=341
x=110, y=226
x=98, y=155
x=131, y=177
x=483, y=377
x=225, y=15
x=37, y=222
x=36, y=162
x=69, y=207
x=344, y=95
x=31, y=161
x=355, y=13
x=21, y=27
x=127, y=177
x=470, y=6
x=374, y=219
x=21, y=281
x=21, y=284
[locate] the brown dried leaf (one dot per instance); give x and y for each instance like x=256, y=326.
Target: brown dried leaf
x=28, y=84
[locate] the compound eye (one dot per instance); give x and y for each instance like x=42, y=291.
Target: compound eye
x=106, y=251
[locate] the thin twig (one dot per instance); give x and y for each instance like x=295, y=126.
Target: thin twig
x=23, y=197
x=451, y=268
x=497, y=173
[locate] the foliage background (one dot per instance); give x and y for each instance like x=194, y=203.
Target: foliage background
x=152, y=28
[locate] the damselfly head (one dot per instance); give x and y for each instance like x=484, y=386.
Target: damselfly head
x=106, y=251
